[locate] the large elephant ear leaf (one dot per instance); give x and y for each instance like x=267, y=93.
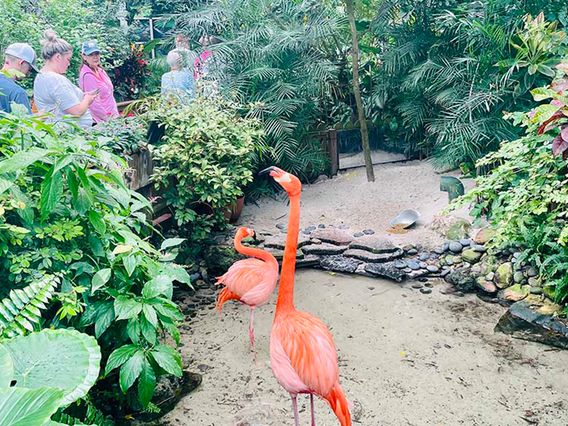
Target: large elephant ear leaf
x=6, y=368
x=65, y=359
x=28, y=407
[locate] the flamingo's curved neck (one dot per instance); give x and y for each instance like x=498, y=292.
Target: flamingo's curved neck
x=254, y=252
x=285, y=302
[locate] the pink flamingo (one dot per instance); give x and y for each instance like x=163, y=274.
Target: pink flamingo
x=302, y=352
x=250, y=281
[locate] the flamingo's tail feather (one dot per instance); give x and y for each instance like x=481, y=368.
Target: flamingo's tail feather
x=340, y=405
x=224, y=295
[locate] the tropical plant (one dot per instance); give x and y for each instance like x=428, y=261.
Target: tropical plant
x=66, y=211
x=525, y=197
x=273, y=57
x=207, y=152
x=125, y=135
x=44, y=371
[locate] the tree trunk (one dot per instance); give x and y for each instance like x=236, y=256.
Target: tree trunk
x=357, y=94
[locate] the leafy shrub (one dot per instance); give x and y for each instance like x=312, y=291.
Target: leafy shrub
x=125, y=135
x=207, y=151
x=66, y=210
x=526, y=197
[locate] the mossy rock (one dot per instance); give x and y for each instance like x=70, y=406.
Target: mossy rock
x=471, y=255
x=458, y=230
x=220, y=258
x=549, y=291
x=504, y=275
x=515, y=293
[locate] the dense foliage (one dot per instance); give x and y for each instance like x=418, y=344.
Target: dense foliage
x=204, y=161
x=64, y=209
x=526, y=197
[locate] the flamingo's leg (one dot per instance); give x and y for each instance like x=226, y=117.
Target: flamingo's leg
x=295, y=404
x=251, y=334
x=313, y=413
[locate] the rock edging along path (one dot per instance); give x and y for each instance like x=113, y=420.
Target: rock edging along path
x=501, y=276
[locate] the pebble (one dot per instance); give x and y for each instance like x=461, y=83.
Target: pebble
x=321, y=226
x=536, y=290
x=368, y=232
x=432, y=268
x=412, y=252
x=518, y=277
x=459, y=294
x=490, y=276
x=449, y=261
x=407, y=270
x=425, y=290
x=424, y=256
x=439, y=250
x=343, y=227
x=399, y=265
x=423, y=280
x=194, y=277
x=358, y=234
x=531, y=272
x=445, y=272
x=516, y=254
x=416, y=285
x=280, y=226
x=446, y=247
x=413, y=264
x=465, y=242
x=479, y=249
x=434, y=256
x=309, y=230
x=456, y=247
x=423, y=265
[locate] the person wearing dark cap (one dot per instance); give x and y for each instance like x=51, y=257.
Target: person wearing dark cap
x=93, y=77
x=19, y=62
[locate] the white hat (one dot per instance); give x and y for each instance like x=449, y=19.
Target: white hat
x=24, y=52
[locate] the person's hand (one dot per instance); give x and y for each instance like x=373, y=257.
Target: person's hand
x=91, y=96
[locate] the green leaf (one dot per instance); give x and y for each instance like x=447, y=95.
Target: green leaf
x=5, y=185
x=100, y=279
x=21, y=160
x=162, y=284
x=168, y=358
x=150, y=315
x=28, y=407
x=125, y=308
x=130, y=263
x=51, y=192
x=105, y=318
x=133, y=330
x=169, y=311
x=97, y=222
x=119, y=356
x=148, y=331
x=6, y=368
x=130, y=370
x=64, y=358
x=146, y=383
x=171, y=242
x=544, y=113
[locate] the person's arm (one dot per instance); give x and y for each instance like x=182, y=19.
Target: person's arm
x=89, y=83
x=67, y=98
x=22, y=99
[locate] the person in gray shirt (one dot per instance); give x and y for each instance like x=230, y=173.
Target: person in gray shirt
x=19, y=61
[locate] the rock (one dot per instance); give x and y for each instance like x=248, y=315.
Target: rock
x=490, y=276
x=275, y=241
x=250, y=241
x=424, y=256
x=531, y=272
x=279, y=254
x=407, y=270
x=385, y=270
x=280, y=226
x=449, y=260
x=409, y=247
x=458, y=230
x=413, y=264
x=399, y=264
x=309, y=229
x=536, y=290
x=343, y=227
x=194, y=277
x=518, y=277
x=434, y=256
x=486, y=286
x=456, y=247
x=549, y=291
x=368, y=256
x=504, y=275
x=517, y=254
x=334, y=236
x=514, y=293
x=485, y=235
x=478, y=248
x=439, y=250
x=412, y=252
x=315, y=241
x=339, y=264
x=321, y=226
x=358, y=234
x=465, y=242
x=534, y=282
x=521, y=321
x=416, y=285
x=471, y=256
x=219, y=258
x=368, y=231
x=423, y=265
x=446, y=246
x=425, y=290
x=308, y=261
x=375, y=244
x=417, y=274
x=445, y=272
x=457, y=259
x=463, y=279
x=324, y=248
x=432, y=268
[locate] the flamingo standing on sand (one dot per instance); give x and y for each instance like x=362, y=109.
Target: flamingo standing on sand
x=250, y=281
x=302, y=352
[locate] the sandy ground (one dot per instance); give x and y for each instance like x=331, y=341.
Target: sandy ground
x=348, y=199
x=406, y=359
x=356, y=159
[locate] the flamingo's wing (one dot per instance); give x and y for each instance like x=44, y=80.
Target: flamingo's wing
x=308, y=346
x=251, y=279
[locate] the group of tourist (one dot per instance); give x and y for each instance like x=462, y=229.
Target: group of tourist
x=93, y=101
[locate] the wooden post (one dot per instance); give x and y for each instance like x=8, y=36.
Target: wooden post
x=333, y=151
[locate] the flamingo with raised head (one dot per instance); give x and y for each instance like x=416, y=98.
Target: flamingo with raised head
x=302, y=353
x=250, y=281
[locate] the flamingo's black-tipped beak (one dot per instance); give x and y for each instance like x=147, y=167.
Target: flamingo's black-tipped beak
x=266, y=171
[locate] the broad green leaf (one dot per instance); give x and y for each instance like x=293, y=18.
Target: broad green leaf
x=146, y=383
x=162, y=284
x=150, y=315
x=51, y=192
x=179, y=274
x=5, y=185
x=98, y=222
x=100, y=279
x=171, y=242
x=168, y=311
x=544, y=113
x=63, y=358
x=130, y=370
x=6, y=368
x=148, y=331
x=105, y=317
x=122, y=248
x=130, y=263
x=119, y=356
x=133, y=330
x=28, y=407
x=126, y=307
x=168, y=358
x=21, y=160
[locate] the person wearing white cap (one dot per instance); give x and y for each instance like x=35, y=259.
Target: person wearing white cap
x=53, y=92
x=19, y=61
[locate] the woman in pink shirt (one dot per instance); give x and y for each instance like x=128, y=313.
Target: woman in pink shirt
x=93, y=77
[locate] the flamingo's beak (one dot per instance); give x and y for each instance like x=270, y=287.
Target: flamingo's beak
x=267, y=170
